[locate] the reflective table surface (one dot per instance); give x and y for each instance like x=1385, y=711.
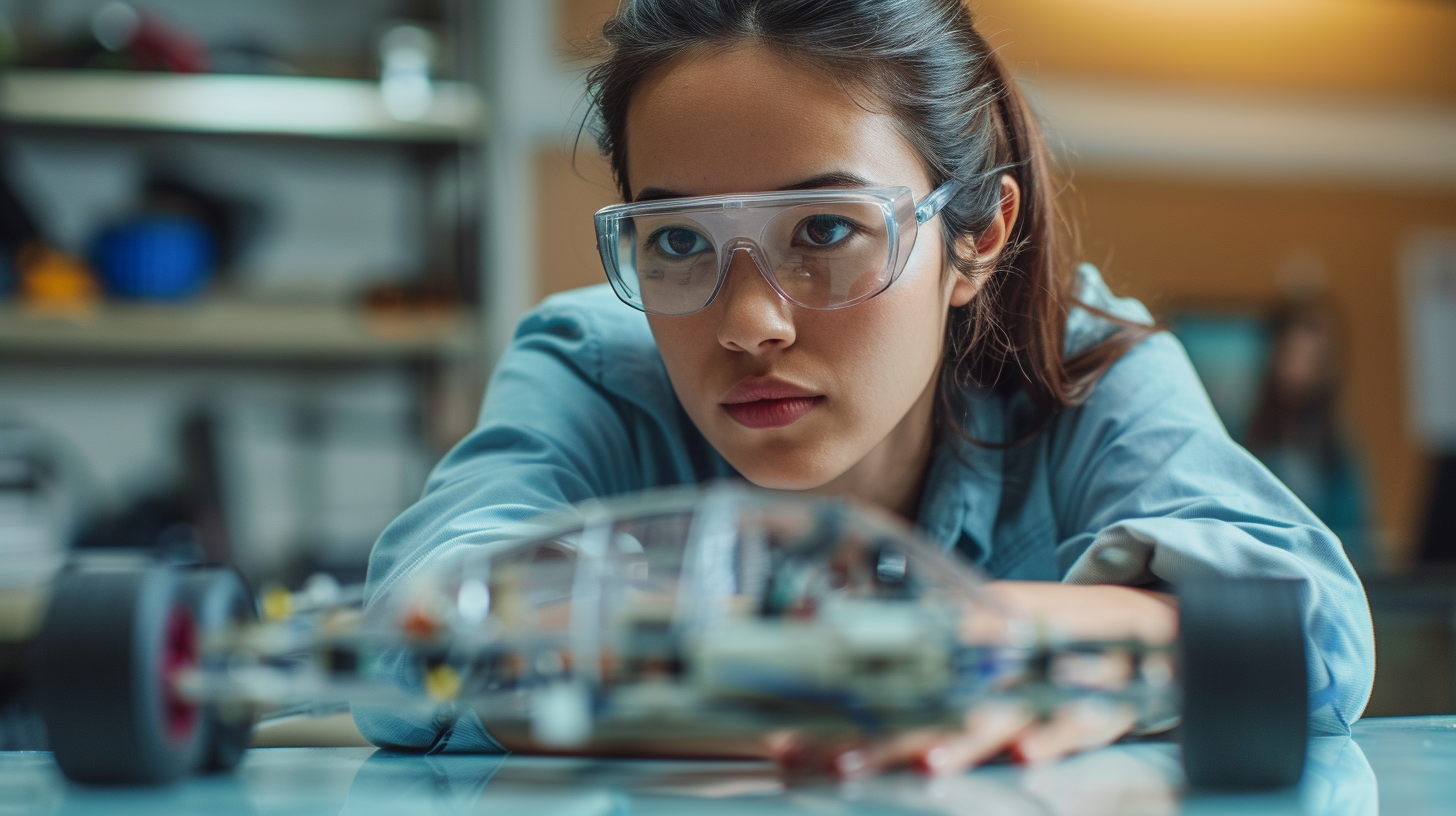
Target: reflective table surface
x=1404, y=765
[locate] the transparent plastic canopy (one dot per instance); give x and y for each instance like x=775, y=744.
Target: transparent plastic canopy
x=725, y=606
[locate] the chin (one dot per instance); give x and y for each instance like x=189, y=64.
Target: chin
x=784, y=470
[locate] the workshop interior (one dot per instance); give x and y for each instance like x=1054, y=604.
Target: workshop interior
x=257, y=261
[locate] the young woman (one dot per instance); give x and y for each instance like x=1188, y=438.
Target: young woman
x=839, y=224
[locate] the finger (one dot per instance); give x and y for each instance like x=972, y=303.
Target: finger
x=854, y=757
x=988, y=730
x=798, y=753
x=1076, y=726
x=848, y=758
x=782, y=745
x=881, y=755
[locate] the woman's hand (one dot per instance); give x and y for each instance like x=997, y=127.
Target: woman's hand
x=1093, y=611
x=1097, y=612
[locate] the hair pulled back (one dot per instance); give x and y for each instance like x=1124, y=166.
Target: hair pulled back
x=927, y=65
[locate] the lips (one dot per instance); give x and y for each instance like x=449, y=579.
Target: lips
x=764, y=402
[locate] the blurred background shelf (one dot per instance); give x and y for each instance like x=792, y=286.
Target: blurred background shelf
x=308, y=179
x=240, y=330
x=268, y=105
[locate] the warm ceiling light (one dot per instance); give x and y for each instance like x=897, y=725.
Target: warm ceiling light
x=1250, y=9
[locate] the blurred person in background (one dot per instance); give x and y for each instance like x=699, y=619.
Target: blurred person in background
x=1297, y=427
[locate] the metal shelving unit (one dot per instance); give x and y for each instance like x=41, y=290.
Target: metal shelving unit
x=246, y=105
x=225, y=329
x=270, y=332
x=324, y=411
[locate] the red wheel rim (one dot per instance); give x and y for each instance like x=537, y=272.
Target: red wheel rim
x=179, y=653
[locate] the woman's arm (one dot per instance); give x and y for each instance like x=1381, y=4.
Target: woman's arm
x=551, y=433
x=554, y=430
x=1095, y=611
x=1149, y=487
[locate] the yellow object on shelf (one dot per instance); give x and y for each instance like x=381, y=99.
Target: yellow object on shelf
x=54, y=282
x=227, y=328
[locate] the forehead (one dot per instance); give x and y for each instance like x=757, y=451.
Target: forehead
x=747, y=120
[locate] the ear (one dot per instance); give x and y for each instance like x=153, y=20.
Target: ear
x=981, y=251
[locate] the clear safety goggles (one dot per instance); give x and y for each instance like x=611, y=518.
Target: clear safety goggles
x=819, y=249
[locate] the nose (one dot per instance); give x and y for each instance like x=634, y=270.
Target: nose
x=752, y=316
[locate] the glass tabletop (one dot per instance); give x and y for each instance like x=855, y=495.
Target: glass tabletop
x=1395, y=765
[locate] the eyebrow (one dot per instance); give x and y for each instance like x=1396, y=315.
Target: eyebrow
x=837, y=178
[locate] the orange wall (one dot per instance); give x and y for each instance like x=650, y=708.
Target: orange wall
x=1404, y=48
x=1400, y=48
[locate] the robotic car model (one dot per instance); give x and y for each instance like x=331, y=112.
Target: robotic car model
x=725, y=610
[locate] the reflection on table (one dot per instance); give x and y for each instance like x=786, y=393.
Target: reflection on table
x=1127, y=780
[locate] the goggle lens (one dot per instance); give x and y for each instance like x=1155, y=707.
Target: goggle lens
x=819, y=256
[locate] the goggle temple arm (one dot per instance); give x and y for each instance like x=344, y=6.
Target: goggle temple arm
x=936, y=201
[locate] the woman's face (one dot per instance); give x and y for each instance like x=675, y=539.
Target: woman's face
x=794, y=398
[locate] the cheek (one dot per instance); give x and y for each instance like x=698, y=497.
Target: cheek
x=687, y=345
x=896, y=347
x=881, y=354
x=903, y=328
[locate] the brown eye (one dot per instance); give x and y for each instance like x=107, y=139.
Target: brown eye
x=676, y=242
x=824, y=230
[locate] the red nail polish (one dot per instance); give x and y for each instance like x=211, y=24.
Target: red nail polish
x=794, y=758
x=1017, y=755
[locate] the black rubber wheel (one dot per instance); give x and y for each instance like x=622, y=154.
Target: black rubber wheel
x=109, y=649
x=1245, y=693
x=219, y=600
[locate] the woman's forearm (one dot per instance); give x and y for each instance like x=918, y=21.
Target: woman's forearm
x=1094, y=611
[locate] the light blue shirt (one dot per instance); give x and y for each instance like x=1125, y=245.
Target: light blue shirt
x=1139, y=483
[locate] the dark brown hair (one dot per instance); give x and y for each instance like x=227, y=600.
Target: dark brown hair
x=959, y=109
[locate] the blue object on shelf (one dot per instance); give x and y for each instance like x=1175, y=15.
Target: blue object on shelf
x=158, y=257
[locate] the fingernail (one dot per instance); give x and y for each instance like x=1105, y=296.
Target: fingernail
x=1018, y=754
x=849, y=763
x=933, y=761
x=787, y=752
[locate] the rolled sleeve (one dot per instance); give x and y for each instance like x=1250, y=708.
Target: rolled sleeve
x=1150, y=487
